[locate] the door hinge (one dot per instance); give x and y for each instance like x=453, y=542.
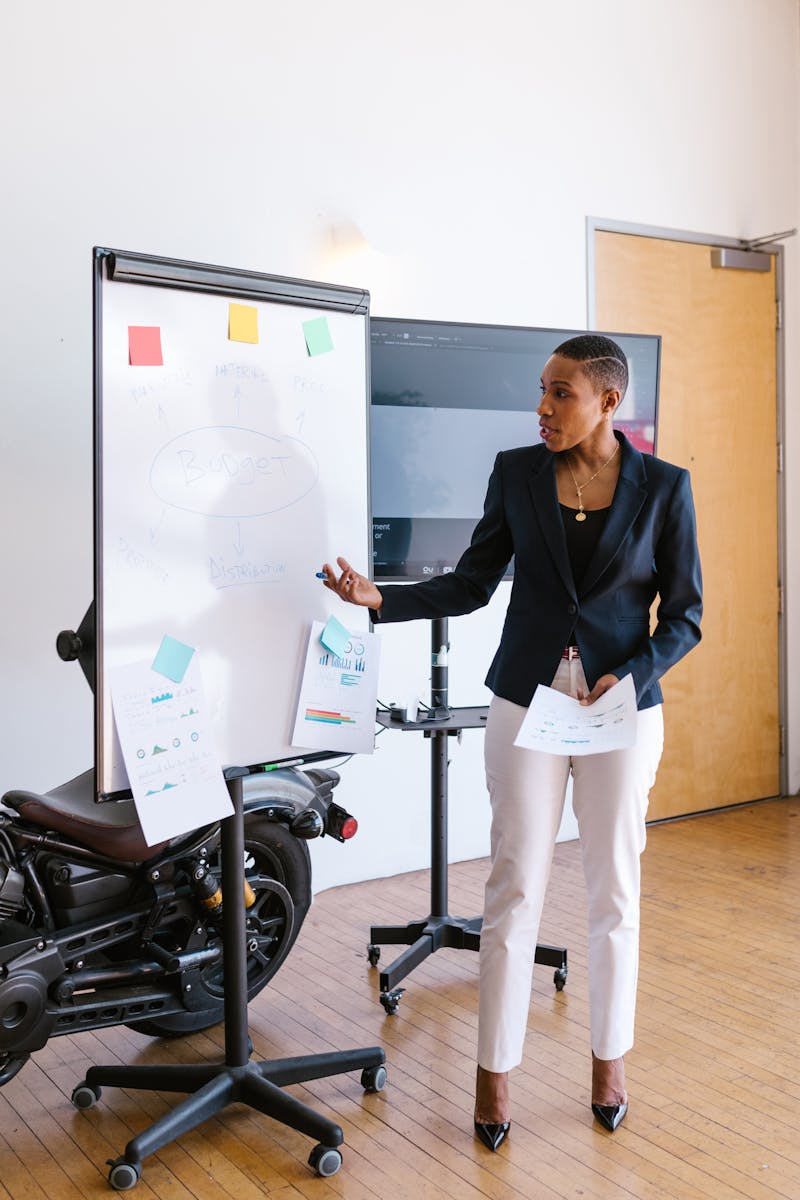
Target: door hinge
x=778, y=314
x=780, y=457
x=781, y=750
x=780, y=599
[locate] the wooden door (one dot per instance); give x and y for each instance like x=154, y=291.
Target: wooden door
x=717, y=416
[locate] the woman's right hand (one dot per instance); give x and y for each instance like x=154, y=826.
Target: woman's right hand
x=350, y=586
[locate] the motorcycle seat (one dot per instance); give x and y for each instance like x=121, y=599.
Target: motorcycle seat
x=111, y=828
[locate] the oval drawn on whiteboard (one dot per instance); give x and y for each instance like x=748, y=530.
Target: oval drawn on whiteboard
x=228, y=471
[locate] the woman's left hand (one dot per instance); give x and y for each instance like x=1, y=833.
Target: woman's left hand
x=603, y=684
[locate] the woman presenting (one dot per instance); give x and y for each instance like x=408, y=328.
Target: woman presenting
x=597, y=531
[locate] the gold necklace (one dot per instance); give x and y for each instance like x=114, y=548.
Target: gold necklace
x=580, y=515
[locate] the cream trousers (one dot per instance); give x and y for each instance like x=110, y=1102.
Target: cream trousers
x=609, y=797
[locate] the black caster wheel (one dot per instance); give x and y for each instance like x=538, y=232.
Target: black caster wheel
x=123, y=1174
x=84, y=1096
x=560, y=978
x=325, y=1160
x=391, y=1000
x=373, y=954
x=373, y=1079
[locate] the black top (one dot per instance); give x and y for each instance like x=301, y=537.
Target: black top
x=647, y=548
x=582, y=538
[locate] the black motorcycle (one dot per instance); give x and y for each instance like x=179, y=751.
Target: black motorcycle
x=98, y=929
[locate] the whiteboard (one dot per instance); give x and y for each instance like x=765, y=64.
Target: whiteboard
x=223, y=479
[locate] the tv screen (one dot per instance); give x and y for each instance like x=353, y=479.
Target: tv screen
x=446, y=398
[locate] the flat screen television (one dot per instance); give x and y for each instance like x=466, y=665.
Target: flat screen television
x=446, y=397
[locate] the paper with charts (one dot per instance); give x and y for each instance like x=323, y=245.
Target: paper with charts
x=339, y=692
x=559, y=724
x=169, y=752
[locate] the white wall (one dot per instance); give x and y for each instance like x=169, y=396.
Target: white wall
x=467, y=142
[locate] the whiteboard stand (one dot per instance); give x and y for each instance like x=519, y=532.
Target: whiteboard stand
x=237, y=1080
x=439, y=929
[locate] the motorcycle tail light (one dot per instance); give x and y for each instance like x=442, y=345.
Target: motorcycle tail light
x=340, y=824
x=349, y=828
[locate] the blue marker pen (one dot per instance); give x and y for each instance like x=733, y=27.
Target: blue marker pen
x=321, y=575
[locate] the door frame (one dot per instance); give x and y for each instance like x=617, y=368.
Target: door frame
x=605, y=225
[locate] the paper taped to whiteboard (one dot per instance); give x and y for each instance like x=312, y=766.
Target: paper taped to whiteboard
x=169, y=751
x=339, y=692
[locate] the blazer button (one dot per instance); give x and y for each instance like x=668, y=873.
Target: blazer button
x=572, y=609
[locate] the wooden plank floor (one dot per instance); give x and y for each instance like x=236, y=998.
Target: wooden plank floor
x=713, y=1079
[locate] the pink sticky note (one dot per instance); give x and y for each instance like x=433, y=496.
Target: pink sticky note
x=144, y=346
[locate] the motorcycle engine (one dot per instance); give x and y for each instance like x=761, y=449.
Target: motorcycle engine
x=28, y=966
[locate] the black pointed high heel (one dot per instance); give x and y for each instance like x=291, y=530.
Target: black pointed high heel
x=610, y=1115
x=492, y=1136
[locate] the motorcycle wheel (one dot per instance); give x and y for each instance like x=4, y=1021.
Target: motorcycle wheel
x=271, y=852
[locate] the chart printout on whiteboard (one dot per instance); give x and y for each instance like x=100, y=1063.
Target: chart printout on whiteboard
x=339, y=693
x=227, y=475
x=559, y=724
x=169, y=751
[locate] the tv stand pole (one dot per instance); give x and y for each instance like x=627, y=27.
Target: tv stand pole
x=213, y=1087
x=438, y=929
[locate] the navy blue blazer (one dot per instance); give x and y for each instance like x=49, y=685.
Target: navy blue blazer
x=648, y=547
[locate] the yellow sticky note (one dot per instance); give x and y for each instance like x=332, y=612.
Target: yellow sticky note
x=242, y=323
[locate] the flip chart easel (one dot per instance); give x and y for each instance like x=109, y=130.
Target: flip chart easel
x=225, y=404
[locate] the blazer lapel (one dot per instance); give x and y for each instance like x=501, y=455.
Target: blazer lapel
x=542, y=485
x=630, y=495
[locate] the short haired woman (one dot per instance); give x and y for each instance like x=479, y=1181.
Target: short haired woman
x=597, y=531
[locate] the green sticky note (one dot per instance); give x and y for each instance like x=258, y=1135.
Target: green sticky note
x=173, y=658
x=318, y=336
x=335, y=637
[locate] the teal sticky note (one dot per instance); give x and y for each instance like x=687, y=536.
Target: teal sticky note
x=318, y=336
x=335, y=637
x=173, y=658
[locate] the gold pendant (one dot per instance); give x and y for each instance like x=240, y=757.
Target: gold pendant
x=580, y=515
